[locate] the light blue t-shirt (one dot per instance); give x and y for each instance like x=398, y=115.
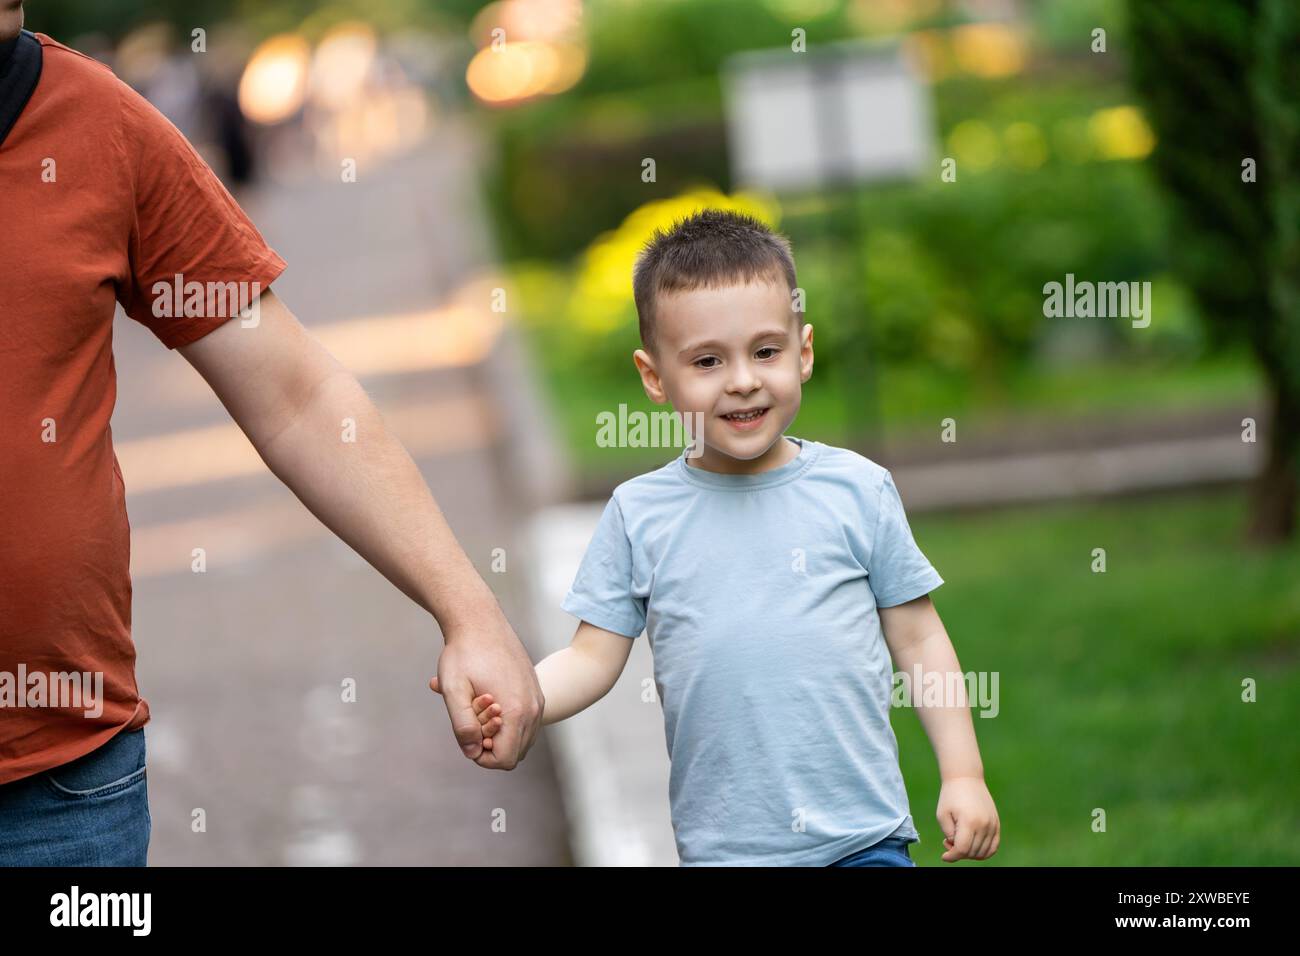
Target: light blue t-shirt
x=758, y=594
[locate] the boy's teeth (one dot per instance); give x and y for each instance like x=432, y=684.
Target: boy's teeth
x=745, y=416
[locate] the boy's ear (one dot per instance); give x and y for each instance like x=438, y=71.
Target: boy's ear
x=806, y=353
x=645, y=365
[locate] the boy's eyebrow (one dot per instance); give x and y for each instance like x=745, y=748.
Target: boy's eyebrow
x=768, y=333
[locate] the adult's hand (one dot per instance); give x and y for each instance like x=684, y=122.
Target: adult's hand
x=481, y=657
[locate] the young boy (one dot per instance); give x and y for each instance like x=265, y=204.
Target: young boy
x=763, y=570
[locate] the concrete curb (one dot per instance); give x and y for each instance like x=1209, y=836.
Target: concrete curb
x=1018, y=479
x=611, y=758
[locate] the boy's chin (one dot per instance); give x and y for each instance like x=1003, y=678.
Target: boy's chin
x=742, y=450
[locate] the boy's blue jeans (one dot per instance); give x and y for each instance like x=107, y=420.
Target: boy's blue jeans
x=93, y=811
x=891, y=851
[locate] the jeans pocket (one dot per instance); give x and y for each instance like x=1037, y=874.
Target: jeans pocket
x=890, y=851
x=899, y=846
x=895, y=850
x=115, y=766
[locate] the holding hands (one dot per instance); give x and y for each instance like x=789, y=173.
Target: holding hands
x=486, y=710
x=494, y=730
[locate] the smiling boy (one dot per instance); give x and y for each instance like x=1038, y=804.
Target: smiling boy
x=774, y=577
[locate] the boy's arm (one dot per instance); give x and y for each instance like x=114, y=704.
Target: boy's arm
x=916, y=636
x=576, y=677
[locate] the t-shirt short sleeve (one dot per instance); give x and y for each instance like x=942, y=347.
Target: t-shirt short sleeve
x=188, y=235
x=602, y=593
x=898, y=571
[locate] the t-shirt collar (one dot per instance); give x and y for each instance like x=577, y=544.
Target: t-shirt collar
x=6, y=53
x=796, y=466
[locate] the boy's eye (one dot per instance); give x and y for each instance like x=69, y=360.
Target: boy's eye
x=707, y=358
x=767, y=348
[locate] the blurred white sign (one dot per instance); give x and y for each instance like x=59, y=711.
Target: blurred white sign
x=839, y=113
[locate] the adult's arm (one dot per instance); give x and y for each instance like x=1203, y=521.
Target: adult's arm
x=289, y=395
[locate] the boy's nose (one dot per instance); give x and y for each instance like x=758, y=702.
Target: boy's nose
x=743, y=382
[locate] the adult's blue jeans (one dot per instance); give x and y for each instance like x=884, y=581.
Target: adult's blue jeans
x=93, y=811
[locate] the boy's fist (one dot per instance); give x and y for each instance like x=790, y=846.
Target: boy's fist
x=968, y=819
x=487, y=711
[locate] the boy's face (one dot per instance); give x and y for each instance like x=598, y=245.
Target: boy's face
x=739, y=348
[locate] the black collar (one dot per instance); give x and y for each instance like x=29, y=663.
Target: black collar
x=6, y=54
x=20, y=71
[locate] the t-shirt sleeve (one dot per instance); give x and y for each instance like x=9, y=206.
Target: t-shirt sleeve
x=602, y=591
x=184, y=224
x=898, y=571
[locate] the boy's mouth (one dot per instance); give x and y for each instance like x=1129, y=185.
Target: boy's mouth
x=746, y=418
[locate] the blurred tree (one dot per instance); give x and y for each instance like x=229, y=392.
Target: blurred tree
x=1222, y=86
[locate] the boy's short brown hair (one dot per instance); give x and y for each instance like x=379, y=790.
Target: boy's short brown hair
x=710, y=248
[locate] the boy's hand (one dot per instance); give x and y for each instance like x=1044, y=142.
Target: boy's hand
x=489, y=715
x=968, y=819
x=486, y=710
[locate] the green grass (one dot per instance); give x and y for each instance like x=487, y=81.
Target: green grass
x=1122, y=690
x=913, y=401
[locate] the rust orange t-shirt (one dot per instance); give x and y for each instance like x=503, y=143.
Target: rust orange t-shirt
x=101, y=200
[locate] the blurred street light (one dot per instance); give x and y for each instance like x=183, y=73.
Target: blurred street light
x=274, y=83
x=526, y=50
